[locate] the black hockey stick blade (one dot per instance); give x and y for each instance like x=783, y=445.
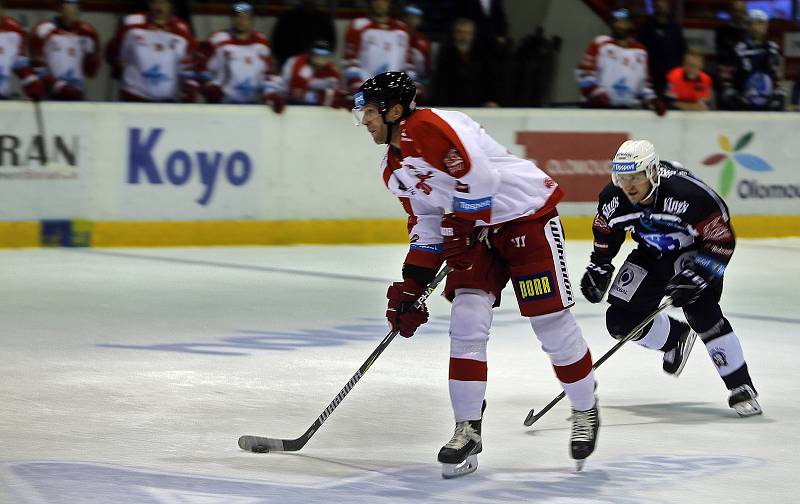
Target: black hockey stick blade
x=259, y=444
x=533, y=416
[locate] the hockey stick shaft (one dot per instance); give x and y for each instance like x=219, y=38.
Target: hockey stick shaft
x=533, y=416
x=37, y=108
x=264, y=444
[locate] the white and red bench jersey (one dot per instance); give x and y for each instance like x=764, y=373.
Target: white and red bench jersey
x=372, y=48
x=309, y=85
x=68, y=54
x=151, y=57
x=239, y=67
x=421, y=55
x=12, y=37
x=447, y=161
x=623, y=72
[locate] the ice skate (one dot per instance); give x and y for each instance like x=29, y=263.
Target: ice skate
x=675, y=359
x=585, y=426
x=460, y=455
x=743, y=400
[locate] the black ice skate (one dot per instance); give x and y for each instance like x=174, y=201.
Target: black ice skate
x=460, y=455
x=675, y=359
x=743, y=400
x=585, y=425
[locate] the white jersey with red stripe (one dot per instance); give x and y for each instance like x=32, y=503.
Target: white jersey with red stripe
x=372, y=48
x=152, y=56
x=308, y=84
x=12, y=36
x=622, y=71
x=241, y=67
x=63, y=51
x=447, y=161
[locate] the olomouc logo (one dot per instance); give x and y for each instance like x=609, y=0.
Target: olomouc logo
x=179, y=166
x=733, y=156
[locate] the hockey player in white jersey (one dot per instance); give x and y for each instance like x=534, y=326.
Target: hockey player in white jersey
x=376, y=44
x=614, y=71
x=685, y=242
x=153, y=56
x=65, y=51
x=13, y=60
x=503, y=226
x=238, y=64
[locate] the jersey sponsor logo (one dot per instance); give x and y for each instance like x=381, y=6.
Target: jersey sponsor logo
x=601, y=225
x=518, y=241
x=627, y=281
x=715, y=229
x=455, y=163
x=422, y=185
x=536, y=286
x=462, y=187
x=710, y=264
x=674, y=206
x=723, y=251
x=549, y=183
x=179, y=166
x=436, y=248
x=472, y=206
x=661, y=241
x=609, y=208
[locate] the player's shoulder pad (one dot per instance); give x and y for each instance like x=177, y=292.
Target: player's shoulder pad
x=136, y=19
x=10, y=24
x=219, y=37
x=360, y=23
x=260, y=38
x=43, y=29
x=180, y=27
x=84, y=28
x=635, y=44
x=602, y=39
x=396, y=24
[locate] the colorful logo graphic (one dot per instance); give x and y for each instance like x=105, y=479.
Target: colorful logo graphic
x=731, y=157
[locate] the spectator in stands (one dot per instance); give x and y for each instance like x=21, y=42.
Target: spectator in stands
x=614, y=70
x=726, y=38
x=65, y=51
x=491, y=23
x=756, y=82
x=688, y=86
x=153, y=56
x=663, y=39
x=313, y=79
x=376, y=44
x=420, y=48
x=463, y=75
x=237, y=64
x=12, y=57
x=298, y=28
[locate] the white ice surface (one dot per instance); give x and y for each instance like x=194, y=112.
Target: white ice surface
x=126, y=376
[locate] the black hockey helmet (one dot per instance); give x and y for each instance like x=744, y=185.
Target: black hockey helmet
x=384, y=90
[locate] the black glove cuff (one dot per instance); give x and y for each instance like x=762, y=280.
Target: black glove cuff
x=423, y=276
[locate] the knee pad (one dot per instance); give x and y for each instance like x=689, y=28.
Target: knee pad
x=470, y=320
x=560, y=336
x=620, y=322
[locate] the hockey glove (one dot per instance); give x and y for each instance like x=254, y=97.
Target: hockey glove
x=596, y=280
x=275, y=101
x=400, y=311
x=658, y=106
x=214, y=93
x=458, y=247
x=687, y=286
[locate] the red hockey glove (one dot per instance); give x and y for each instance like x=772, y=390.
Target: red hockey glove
x=34, y=89
x=275, y=101
x=31, y=84
x=400, y=310
x=658, y=106
x=598, y=97
x=213, y=93
x=61, y=90
x=459, y=245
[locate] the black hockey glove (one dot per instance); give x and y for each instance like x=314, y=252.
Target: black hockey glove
x=596, y=280
x=685, y=287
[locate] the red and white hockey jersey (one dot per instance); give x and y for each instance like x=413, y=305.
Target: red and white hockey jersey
x=240, y=67
x=12, y=38
x=621, y=72
x=372, y=48
x=448, y=161
x=421, y=56
x=309, y=85
x=150, y=58
x=67, y=54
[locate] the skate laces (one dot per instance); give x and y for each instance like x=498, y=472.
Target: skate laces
x=464, y=432
x=583, y=424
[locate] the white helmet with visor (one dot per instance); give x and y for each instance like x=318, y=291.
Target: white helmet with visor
x=636, y=161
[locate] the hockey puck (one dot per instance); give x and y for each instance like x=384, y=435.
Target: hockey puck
x=260, y=448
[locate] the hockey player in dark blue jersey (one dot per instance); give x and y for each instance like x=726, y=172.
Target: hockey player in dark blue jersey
x=685, y=241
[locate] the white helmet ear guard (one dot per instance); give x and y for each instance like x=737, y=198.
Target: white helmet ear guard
x=635, y=156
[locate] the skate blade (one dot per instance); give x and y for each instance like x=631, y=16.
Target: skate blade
x=748, y=408
x=455, y=470
x=579, y=465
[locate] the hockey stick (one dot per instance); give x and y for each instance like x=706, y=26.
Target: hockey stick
x=533, y=416
x=259, y=444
